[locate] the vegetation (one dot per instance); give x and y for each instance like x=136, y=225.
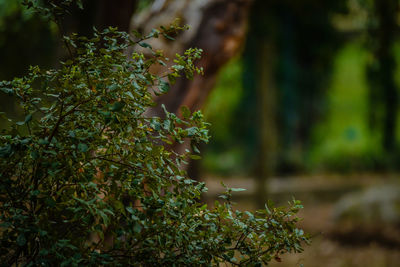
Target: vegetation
x=88, y=179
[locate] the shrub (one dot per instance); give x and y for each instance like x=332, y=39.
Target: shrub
x=87, y=179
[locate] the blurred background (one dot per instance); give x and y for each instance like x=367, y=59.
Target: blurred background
x=302, y=97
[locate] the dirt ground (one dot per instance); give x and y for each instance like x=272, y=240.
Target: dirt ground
x=323, y=252
x=329, y=247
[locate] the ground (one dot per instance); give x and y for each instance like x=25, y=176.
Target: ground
x=331, y=246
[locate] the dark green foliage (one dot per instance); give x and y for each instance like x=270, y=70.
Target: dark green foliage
x=87, y=180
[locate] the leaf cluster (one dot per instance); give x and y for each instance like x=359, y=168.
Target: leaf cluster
x=87, y=179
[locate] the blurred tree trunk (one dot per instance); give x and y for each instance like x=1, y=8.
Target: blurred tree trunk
x=216, y=26
x=261, y=55
x=383, y=90
x=267, y=99
x=305, y=42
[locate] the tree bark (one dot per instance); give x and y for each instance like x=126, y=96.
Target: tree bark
x=217, y=26
x=266, y=92
x=383, y=89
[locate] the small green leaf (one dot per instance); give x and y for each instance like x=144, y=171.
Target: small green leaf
x=136, y=34
x=50, y=201
x=168, y=37
x=188, y=181
x=192, y=131
x=185, y=112
x=195, y=149
x=82, y=147
x=164, y=87
x=171, y=78
x=5, y=151
x=237, y=189
x=112, y=87
x=8, y=91
x=117, y=106
x=21, y=240
x=79, y=4
x=34, y=154
x=145, y=45
x=130, y=94
x=195, y=157
x=43, y=142
x=162, y=63
x=28, y=118
x=137, y=228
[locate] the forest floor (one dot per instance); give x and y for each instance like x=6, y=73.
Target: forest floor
x=330, y=247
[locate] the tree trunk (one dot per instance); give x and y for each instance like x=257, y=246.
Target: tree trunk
x=383, y=89
x=266, y=96
x=216, y=26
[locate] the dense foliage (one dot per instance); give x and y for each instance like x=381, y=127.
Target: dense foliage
x=87, y=179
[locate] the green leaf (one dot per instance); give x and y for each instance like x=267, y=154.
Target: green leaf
x=195, y=157
x=79, y=4
x=137, y=228
x=130, y=95
x=164, y=87
x=43, y=142
x=168, y=37
x=104, y=217
x=145, y=45
x=6, y=151
x=237, y=189
x=28, y=118
x=172, y=78
x=136, y=33
x=82, y=147
x=195, y=149
x=34, y=154
x=162, y=63
x=117, y=106
x=50, y=202
x=192, y=131
x=185, y=112
x=21, y=240
x=8, y=91
x=113, y=87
